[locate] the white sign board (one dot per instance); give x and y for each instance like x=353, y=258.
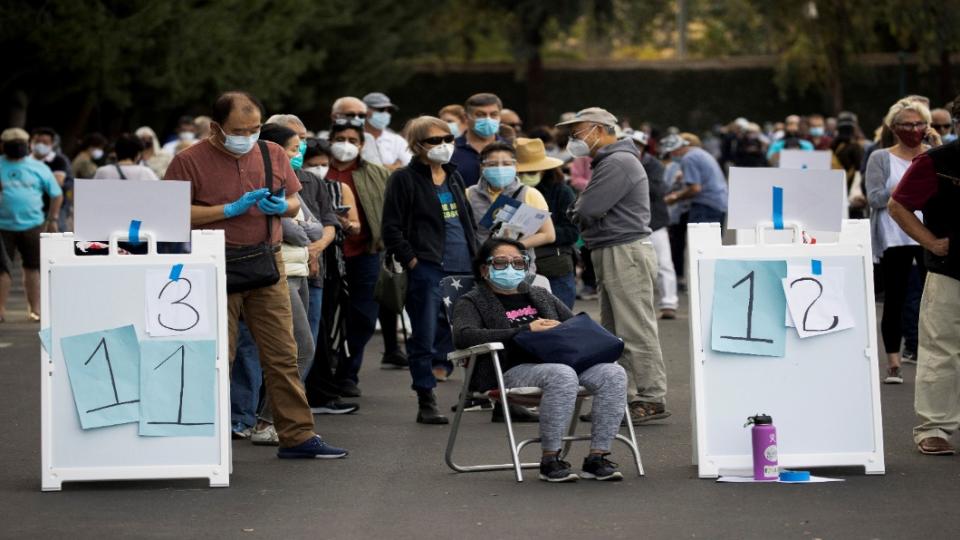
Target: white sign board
x=104, y=207
x=763, y=195
x=822, y=420
x=819, y=160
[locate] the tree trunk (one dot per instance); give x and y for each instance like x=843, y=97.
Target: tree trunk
x=946, y=77
x=536, y=91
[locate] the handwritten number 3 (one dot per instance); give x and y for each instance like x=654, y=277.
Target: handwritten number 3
x=836, y=320
x=179, y=302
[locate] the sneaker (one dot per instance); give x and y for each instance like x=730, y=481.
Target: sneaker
x=349, y=389
x=473, y=404
x=552, y=469
x=588, y=293
x=240, y=432
x=312, y=448
x=335, y=407
x=394, y=360
x=440, y=373
x=893, y=376
x=518, y=414
x=642, y=412
x=668, y=314
x=265, y=437
x=909, y=357
x=598, y=467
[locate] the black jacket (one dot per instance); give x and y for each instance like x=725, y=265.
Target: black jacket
x=413, y=224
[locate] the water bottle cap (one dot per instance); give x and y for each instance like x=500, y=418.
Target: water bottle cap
x=759, y=420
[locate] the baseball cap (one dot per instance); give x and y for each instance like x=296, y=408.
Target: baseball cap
x=671, y=143
x=379, y=100
x=640, y=137
x=592, y=114
x=14, y=134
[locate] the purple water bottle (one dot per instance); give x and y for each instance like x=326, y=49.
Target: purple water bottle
x=764, y=437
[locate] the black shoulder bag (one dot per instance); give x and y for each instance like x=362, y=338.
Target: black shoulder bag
x=254, y=267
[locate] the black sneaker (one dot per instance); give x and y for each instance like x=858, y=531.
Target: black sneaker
x=312, y=448
x=394, y=360
x=335, y=407
x=598, y=467
x=473, y=404
x=518, y=414
x=349, y=389
x=552, y=469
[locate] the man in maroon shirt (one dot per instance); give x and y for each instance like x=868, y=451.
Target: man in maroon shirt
x=227, y=176
x=932, y=184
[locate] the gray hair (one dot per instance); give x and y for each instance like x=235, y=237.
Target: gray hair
x=341, y=102
x=286, y=120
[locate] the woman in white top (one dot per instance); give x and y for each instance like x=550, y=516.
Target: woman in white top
x=128, y=149
x=910, y=122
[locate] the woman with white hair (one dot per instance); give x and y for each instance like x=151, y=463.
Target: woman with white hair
x=910, y=123
x=152, y=155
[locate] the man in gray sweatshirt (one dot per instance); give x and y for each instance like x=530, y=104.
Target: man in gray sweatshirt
x=613, y=214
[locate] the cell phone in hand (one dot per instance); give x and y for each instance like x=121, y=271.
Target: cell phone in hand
x=278, y=192
x=342, y=210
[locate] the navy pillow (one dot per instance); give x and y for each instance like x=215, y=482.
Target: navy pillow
x=578, y=342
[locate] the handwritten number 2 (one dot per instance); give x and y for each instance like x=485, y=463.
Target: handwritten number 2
x=749, y=337
x=179, y=302
x=806, y=313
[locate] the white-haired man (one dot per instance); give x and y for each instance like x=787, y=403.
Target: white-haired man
x=353, y=111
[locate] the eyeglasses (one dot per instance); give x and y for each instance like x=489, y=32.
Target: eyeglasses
x=912, y=125
x=437, y=140
x=351, y=115
x=504, y=163
x=501, y=262
x=941, y=126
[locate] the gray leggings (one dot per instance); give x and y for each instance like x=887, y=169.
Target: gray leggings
x=299, y=303
x=607, y=383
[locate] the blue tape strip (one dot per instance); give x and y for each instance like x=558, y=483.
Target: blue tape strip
x=777, y=208
x=795, y=476
x=816, y=267
x=134, y=235
x=175, y=272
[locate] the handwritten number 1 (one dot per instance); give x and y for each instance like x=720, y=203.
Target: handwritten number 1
x=179, y=421
x=113, y=380
x=749, y=337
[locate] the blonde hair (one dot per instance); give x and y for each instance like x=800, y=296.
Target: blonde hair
x=903, y=105
x=455, y=110
x=692, y=139
x=419, y=128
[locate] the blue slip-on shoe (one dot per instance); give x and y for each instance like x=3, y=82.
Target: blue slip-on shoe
x=312, y=448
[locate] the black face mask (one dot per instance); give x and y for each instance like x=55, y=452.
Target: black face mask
x=16, y=149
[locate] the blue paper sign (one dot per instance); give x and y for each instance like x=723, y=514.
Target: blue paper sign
x=748, y=307
x=178, y=388
x=104, y=369
x=45, y=336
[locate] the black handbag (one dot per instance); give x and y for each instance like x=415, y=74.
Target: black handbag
x=554, y=262
x=254, y=267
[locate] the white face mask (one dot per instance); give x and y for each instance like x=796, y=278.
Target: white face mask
x=187, y=136
x=96, y=153
x=579, y=147
x=42, y=149
x=440, y=153
x=454, y=128
x=319, y=170
x=344, y=151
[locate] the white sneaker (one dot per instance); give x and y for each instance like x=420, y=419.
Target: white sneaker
x=265, y=437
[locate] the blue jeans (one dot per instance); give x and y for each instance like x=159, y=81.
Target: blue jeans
x=362, y=273
x=701, y=213
x=314, y=311
x=245, y=379
x=430, y=339
x=565, y=288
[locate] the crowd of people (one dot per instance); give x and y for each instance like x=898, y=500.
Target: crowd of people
x=356, y=199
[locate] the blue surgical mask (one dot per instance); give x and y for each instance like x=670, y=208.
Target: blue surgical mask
x=240, y=144
x=379, y=119
x=454, y=128
x=949, y=137
x=507, y=279
x=297, y=161
x=486, y=127
x=499, y=177
x=816, y=132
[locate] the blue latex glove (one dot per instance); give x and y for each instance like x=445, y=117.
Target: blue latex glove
x=245, y=202
x=273, y=205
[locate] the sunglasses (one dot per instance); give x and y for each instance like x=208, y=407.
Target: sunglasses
x=501, y=263
x=437, y=140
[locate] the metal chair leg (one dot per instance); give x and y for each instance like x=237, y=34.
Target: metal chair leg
x=634, y=447
x=506, y=416
x=455, y=427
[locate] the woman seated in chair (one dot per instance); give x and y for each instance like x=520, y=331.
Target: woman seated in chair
x=502, y=306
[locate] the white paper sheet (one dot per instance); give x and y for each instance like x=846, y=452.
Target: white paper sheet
x=805, y=159
x=815, y=199
x=795, y=271
x=817, y=304
x=104, y=207
x=177, y=308
x=528, y=219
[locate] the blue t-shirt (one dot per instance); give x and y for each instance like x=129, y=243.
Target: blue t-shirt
x=779, y=145
x=24, y=182
x=699, y=167
x=456, y=253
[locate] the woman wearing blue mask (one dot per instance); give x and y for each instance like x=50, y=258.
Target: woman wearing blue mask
x=498, y=166
x=502, y=306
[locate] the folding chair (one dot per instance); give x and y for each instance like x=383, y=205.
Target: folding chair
x=452, y=287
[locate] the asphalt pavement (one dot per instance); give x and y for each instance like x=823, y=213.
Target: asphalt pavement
x=394, y=484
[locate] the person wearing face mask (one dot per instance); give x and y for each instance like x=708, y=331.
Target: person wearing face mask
x=362, y=247
x=228, y=173
x=351, y=111
x=430, y=229
x=127, y=149
x=152, y=155
x=555, y=260
x=89, y=157
x=186, y=135
x=500, y=307
x=897, y=252
x=483, y=127
x=791, y=140
x=391, y=148
x=44, y=146
x=499, y=177
x=455, y=117
x=23, y=183
x=817, y=131
x=613, y=213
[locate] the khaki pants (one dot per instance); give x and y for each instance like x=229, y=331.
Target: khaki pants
x=627, y=280
x=937, y=398
x=268, y=314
